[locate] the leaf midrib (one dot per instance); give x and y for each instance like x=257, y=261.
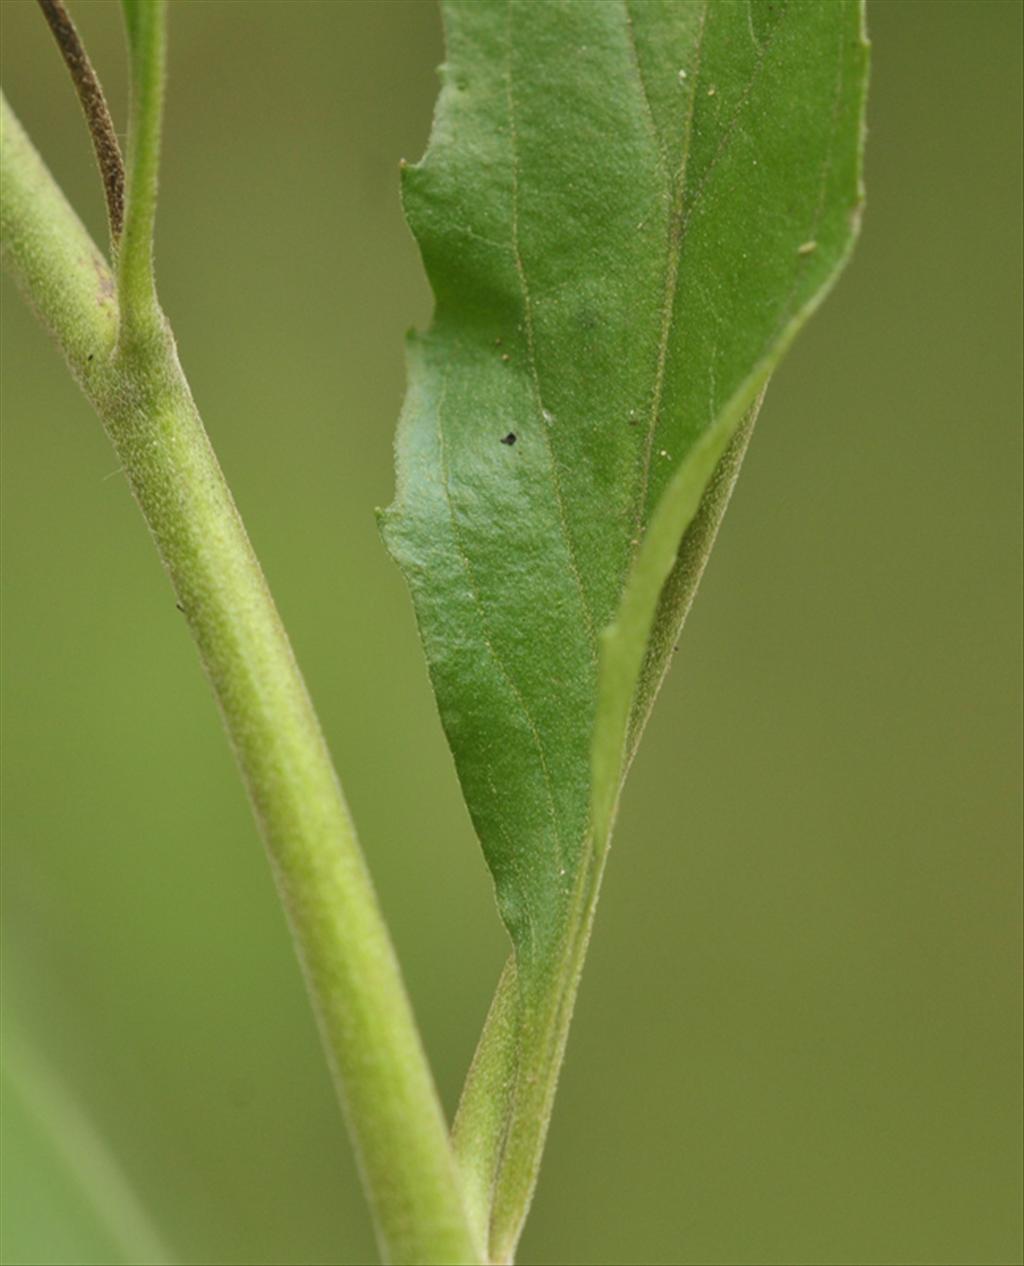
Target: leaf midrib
x=679, y=223
x=675, y=249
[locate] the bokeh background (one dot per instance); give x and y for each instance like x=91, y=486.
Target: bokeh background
x=798, y=1037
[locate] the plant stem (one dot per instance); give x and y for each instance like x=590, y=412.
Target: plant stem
x=353, y=978
x=145, y=21
x=546, y=1006
x=95, y=109
x=545, y=1013
x=481, y=1123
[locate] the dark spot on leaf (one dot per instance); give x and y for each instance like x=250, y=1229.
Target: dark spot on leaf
x=89, y=357
x=509, y=439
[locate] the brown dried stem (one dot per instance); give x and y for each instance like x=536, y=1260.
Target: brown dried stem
x=94, y=106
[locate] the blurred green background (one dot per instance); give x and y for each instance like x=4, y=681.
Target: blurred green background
x=798, y=1037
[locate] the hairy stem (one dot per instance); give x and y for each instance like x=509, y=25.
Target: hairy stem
x=140, y=392
x=94, y=107
x=136, y=282
x=545, y=1014
x=481, y=1124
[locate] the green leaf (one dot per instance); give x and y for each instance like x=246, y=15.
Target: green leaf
x=65, y=1196
x=626, y=211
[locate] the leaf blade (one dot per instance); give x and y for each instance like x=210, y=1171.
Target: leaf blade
x=626, y=212
x=598, y=312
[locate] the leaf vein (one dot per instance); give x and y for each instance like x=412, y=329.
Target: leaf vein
x=649, y=109
x=678, y=227
x=675, y=250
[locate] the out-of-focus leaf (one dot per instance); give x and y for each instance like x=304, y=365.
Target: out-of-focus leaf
x=65, y=1197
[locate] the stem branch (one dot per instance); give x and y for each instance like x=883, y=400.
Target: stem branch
x=138, y=389
x=145, y=21
x=95, y=109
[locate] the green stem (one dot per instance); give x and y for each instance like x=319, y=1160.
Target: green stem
x=145, y=21
x=481, y=1124
x=546, y=1005
x=545, y=1014
x=365, y=1018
